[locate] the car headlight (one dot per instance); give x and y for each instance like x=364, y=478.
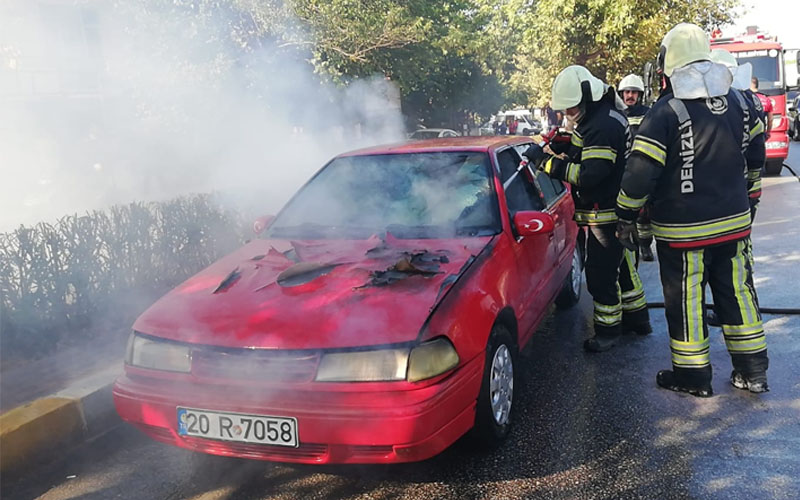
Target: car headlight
x=431, y=359
x=363, y=366
x=146, y=352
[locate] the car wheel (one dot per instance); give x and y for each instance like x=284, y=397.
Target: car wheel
x=773, y=167
x=571, y=289
x=493, y=412
x=527, y=131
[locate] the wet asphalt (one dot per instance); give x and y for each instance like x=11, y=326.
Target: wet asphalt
x=586, y=426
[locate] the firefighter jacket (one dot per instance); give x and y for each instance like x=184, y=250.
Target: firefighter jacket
x=600, y=146
x=694, y=159
x=635, y=115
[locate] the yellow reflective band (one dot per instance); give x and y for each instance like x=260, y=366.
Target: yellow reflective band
x=595, y=217
x=695, y=231
x=576, y=140
x=758, y=129
x=693, y=293
x=548, y=165
x=696, y=361
x=753, y=174
x=598, y=153
x=626, y=202
x=645, y=147
x=573, y=173
x=751, y=346
x=688, y=347
x=635, y=120
x=743, y=330
x=613, y=309
x=634, y=305
x=747, y=305
x=755, y=187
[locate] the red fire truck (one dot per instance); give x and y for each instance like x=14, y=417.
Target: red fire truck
x=766, y=55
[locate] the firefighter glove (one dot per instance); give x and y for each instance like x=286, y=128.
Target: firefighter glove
x=535, y=153
x=627, y=235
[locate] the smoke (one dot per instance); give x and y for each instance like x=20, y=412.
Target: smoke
x=109, y=102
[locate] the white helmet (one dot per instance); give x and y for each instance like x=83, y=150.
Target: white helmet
x=572, y=83
x=682, y=45
x=631, y=82
x=741, y=73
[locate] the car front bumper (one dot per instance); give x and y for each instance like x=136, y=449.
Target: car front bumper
x=348, y=426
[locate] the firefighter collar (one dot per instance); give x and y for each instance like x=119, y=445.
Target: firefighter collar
x=701, y=80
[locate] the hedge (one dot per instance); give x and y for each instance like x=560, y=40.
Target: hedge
x=65, y=280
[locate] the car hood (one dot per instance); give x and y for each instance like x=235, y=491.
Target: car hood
x=319, y=294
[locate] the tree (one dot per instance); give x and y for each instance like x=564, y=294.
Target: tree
x=610, y=37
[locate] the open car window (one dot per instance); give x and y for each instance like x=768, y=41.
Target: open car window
x=413, y=195
x=521, y=192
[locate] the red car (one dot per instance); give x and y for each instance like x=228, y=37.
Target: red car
x=378, y=320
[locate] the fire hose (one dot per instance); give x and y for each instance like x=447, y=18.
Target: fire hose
x=790, y=311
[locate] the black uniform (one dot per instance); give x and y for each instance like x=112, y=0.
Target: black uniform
x=600, y=147
x=635, y=115
x=688, y=157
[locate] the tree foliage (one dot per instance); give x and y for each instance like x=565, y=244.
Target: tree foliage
x=610, y=37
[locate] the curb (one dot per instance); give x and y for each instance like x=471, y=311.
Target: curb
x=45, y=426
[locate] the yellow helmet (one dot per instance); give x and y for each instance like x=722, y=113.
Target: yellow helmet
x=631, y=82
x=571, y=84
x=682, y=45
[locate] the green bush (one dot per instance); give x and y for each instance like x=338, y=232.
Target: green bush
x=62, y=281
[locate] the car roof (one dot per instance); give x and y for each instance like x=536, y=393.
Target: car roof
x=434, y=130
x=470, y=143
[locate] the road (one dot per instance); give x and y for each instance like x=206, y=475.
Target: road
x=588, y=426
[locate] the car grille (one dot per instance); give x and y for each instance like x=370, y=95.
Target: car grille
x=259, y=451
x=256, y=365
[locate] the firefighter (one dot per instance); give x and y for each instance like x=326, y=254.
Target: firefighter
x=594, y=165
x=631, y=90
x=741, y=77
x=688, y=158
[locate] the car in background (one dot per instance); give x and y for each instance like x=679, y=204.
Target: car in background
x=432, y=133
x=378, y=319
x=793, y=114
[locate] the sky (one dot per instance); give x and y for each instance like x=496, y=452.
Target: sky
x=777, y=17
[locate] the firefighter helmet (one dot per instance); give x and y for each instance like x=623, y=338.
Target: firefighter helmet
x=725, y=58
x=682, y=45
x=631, y=82
x=576, y=85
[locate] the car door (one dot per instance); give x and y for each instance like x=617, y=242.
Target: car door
x=532, y=254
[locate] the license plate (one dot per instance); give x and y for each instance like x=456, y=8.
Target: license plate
x=239, y=427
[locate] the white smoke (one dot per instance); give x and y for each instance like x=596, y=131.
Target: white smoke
x=109, y=102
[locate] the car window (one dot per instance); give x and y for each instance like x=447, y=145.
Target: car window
x=551, y=189
x=411, y=195
x=521, y=193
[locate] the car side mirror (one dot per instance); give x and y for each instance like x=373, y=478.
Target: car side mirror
x=529, y=223
x=263, y=222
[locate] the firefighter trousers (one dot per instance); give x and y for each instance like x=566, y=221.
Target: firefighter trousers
x=727, y=268
x=614, y=284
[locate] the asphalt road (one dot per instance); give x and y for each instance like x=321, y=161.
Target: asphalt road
x=587, y=426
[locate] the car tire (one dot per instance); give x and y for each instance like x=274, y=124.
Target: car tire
x=570, y=292
x=773, y=167
x=494, y=408
x=527, y=131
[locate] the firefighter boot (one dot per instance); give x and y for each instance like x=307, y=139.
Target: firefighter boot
x=600, y=343
x=646, y=252
x=676, y=381
x=753, y=383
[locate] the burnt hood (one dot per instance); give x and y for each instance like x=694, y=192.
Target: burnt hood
x=321, y=294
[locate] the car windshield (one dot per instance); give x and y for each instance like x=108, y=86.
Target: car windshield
x=419, y=195
x=425, y=134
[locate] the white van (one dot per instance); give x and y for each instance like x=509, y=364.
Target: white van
x=528, y=125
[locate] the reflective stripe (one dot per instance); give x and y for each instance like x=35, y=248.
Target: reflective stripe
x=635, y=120
x=607, y=315
x=744, y=298
x=598, y=153
x=645, y=230
x=595, y=217
x=755, y=187
x=753, y=174
x=646, y=147
x=576, y=139
x=690, y=354
x=692, y=290
x=626, y=202
x=634, y=299
x=573, y=173
x=758, y=129
x=745, y=339
x=702, y=230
